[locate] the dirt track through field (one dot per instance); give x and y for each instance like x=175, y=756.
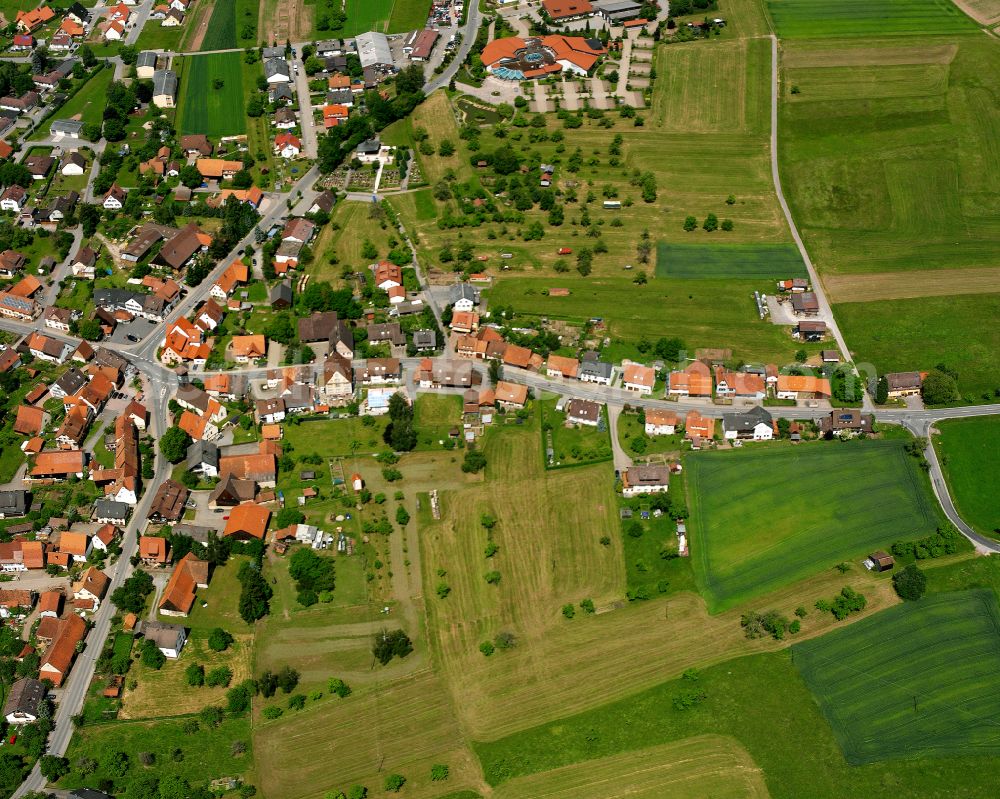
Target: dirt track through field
x=905, y=285
x=197, y=28
x=290, y=21
x=985, y=12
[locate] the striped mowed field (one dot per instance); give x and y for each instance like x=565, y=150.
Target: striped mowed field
x=205, y=109
x=917, y=680
x=768, y=517
x=702, y=767
x=814, y=18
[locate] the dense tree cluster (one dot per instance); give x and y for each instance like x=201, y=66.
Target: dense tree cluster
x=255, y=593
x=131, y=595
x=759, y=625
x=388, y=645
x=945, y=541
x=910, y=583
x=313, y=574
x=400, y=433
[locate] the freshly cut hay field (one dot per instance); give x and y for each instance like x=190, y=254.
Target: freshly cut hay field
x=967, y=449
x=760, y=701
x=986, y=12
x=915, y=680
x=900, y=335
x=704, y=767
x=167, y=693
x=875, y=81
x=719, y=89
x=767, y=517
x=818, y=18
x=889, y=152
x=730, y=261
x=549, y=556
x=400, y=726
x=202, y=109
x=905, y=285
x=221, y=32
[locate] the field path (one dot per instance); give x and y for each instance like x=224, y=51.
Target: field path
x=913, y=283
x=984, y=16
x=824, y=304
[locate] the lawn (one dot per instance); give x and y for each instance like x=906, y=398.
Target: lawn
x=730, y=261
x=762, y=703
x=903, y=335
x=204, y=109
x=915, y=680
x=322, y=637
x=967, y=449
x=629, y=429
x=651, y=565
x=88, y=102
x=765, y=518
x=813, y=18
x=332, y=437
x=218, y=605
x=221, y=33
x=203, y=756
x=155, y=37
x=408, y=15
x=575, y=444
x=434, y=416
x=702, y=767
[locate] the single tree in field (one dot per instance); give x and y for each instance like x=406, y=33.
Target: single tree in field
x=910, y=583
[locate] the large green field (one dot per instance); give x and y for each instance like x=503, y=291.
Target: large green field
x=810, y=18
x=967, y=449
x=408, y=15
x=763, y=703
x=388, y=16
x=915, y=680
x=887, y=151
x=729, y=261
x=901, y=335
x=767, y=517
x=221, y=33
x=204, y=109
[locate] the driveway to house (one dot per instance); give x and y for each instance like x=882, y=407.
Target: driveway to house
x=306, y=122
x=62, y=270
x=622, y=461
x=160, y=578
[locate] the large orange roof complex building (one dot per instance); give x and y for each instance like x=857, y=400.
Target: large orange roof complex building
x=514, y=58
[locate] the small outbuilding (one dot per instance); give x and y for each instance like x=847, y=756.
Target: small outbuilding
x=880, y=561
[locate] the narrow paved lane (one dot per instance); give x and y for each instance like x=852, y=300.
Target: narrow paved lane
x=824, y=305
